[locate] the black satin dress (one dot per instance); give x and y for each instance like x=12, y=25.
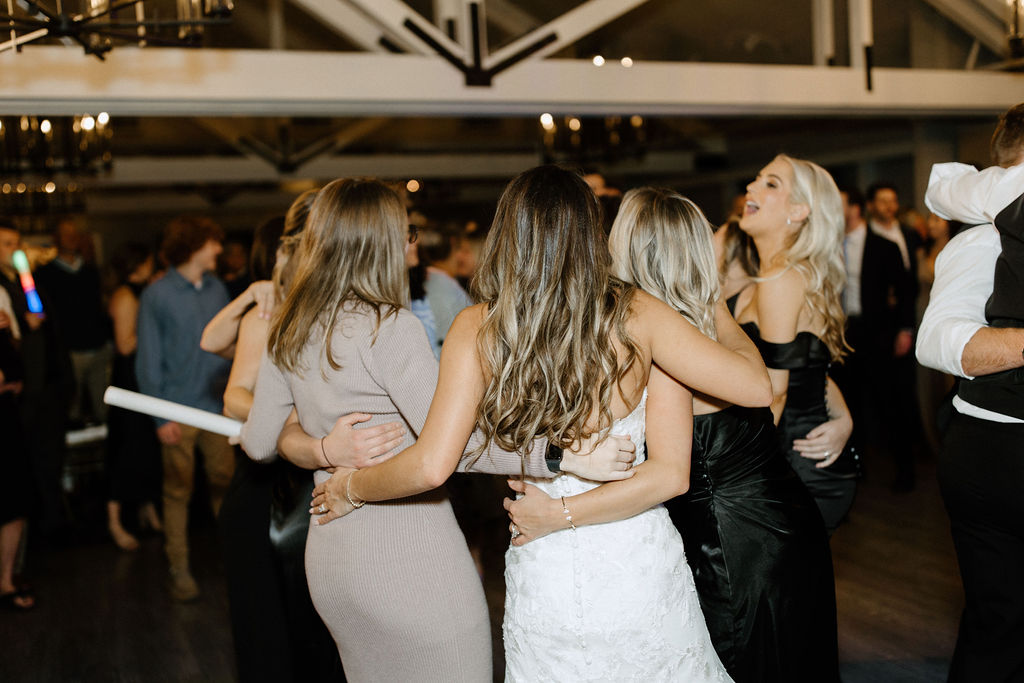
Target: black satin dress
x=759, y=553
x=807, y=359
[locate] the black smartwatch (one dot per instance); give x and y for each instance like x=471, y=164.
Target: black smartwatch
x=554, y=458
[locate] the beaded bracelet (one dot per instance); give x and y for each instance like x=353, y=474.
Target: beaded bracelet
x=348, y=492
x=568, y=515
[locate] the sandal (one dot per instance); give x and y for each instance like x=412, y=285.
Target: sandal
x=20, y=600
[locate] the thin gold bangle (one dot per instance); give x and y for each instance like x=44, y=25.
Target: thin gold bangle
x=568, y=515
x=348, y=492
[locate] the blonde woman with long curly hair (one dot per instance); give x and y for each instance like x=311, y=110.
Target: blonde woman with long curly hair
x=792, y=310
x=560, y=349
x=772, y=619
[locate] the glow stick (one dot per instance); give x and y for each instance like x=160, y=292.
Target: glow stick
x=28, y=285
x=168, y=410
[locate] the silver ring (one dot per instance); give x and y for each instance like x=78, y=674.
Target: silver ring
x=322, y=508
x=828, y=453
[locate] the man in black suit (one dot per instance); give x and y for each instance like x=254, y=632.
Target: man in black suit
x=879, y=304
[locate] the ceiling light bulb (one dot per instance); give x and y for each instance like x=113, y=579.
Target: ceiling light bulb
x=45, y=127
x=50, y=187
x=88, y=123
x=626, y=62
x=598, y=60
x=574, y=124
x=413, y=186
x=103, y=118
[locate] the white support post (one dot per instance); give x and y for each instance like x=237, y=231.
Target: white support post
x=861, y=31
x=448, y=17
x=823, y=22
x=275, y=23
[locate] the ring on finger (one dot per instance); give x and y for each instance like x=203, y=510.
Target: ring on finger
x=322, y=508
x=827, y=453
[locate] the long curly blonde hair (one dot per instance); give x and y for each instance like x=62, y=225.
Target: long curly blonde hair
x=815, y=249
x=550, y=341
x=661, y=242
x=352, y=252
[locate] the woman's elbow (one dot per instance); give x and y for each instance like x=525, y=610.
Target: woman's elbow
x=758, y=394
x=433, y=477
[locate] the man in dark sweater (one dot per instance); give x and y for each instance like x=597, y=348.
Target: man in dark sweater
x=72, y=287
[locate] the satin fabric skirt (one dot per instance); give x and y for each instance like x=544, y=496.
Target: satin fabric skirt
x=759, y=553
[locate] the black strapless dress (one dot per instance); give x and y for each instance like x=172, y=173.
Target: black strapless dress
x=807, y=359
x=759, y=553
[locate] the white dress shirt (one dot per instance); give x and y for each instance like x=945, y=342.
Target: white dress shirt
x=965, y=268
x=853, y=252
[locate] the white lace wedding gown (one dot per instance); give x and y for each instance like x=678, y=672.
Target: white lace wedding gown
x=607, y=602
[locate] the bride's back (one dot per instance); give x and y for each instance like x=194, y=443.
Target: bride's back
x=554, y=344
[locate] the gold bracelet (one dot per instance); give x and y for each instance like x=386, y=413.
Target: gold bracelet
x=348, y=492
x=568, y=515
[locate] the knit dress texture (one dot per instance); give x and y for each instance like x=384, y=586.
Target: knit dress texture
x=393, y=581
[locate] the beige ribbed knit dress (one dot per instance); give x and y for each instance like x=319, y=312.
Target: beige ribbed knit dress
x=393, y=581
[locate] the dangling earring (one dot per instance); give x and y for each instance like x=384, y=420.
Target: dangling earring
x=789, y=221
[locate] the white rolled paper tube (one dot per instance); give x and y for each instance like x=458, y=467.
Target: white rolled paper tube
x=168, y=410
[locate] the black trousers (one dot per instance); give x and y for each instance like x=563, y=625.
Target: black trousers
x=981, y=475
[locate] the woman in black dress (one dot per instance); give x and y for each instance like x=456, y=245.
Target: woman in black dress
x=133, y=452
x=754, y=538
x=791, y=309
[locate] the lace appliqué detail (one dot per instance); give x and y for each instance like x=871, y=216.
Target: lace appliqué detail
x=607, y=602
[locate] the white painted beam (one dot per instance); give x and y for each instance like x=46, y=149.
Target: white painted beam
x=509, y=17
x=162, y=171
x=568, y=28
x=976, y=21
x=181, y=82
x=354, y=26
x=392, y=15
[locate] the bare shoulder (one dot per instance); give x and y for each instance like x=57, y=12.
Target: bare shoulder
x=782, y=284
x=469, y=320
x=253, y=324
x=122, y=299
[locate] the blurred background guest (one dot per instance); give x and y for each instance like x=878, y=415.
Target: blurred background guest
x=133, y=452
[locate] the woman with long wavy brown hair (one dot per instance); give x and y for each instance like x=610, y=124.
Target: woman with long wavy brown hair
x=560, y=349
x=773, y=619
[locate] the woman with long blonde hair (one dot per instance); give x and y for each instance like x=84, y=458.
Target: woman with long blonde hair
x=770, y=619
x=792, y=310
x=561, y=349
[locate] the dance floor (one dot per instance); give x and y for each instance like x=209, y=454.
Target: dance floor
x=104, y=615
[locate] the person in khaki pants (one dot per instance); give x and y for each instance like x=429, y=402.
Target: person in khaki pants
x=169, y=364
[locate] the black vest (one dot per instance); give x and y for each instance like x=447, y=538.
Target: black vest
x=1003, y=392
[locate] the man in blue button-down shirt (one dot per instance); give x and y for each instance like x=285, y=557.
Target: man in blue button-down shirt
x=172, y=314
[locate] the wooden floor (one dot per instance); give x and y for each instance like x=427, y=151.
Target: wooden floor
x=104, y=615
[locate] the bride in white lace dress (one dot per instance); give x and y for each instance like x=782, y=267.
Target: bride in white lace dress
x=560, y=349
x=606, y=602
